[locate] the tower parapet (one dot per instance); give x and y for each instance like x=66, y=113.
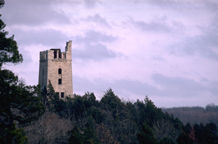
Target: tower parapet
x=68, y=50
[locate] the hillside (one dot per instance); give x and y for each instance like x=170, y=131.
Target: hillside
x=194, y=115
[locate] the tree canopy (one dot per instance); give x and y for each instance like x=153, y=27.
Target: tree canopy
x=9, y=52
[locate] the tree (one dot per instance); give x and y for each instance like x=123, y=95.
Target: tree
x=8, y=46
x=18, y=105
x=184, y=139
x=166, y=141
x=112, y=103
x=146, y=136
x=206, y=134
x=83, y=136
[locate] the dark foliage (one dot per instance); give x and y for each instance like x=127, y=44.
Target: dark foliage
x=121, y=122
x=18, y=106
x=83, y=136
x=207, y=134
x=167, y=141
x=8, y=46
x=140, y=122
x=146, y=136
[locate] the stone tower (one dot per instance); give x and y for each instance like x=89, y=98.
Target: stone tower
x=56, y=66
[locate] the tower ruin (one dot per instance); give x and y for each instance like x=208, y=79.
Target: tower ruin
x=56, y=66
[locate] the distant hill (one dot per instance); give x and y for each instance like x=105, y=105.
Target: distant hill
x=194, y=115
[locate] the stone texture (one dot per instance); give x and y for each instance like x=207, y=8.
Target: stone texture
x=48, y=70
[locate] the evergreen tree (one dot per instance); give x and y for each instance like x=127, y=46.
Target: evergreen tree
x=8, y=46
x=166, y=141
x=146, y=136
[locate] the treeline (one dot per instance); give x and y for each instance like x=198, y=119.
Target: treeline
x=30, y=116
x=194, y=115
x=112, y=121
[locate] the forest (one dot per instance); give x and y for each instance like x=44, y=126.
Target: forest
x=28, y=115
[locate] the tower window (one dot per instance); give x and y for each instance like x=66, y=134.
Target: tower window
x=59, y=81
x=59, y=71
x=62, y=94
x=55, y=54
x=59, y=54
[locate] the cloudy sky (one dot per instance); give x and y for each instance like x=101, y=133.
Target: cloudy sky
x=164, y=49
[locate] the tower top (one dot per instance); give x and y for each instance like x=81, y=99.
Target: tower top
x=56, y=54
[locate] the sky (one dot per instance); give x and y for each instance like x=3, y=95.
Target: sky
x=164, y=49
